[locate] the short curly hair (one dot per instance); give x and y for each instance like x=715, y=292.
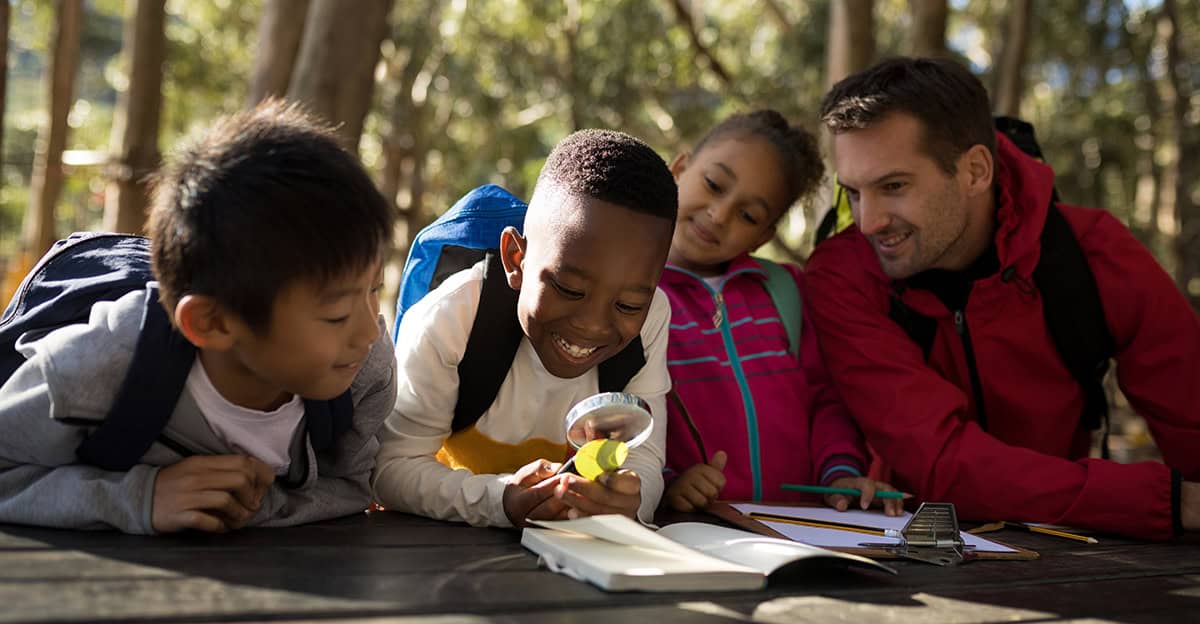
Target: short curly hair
x=259, y=200
x=799, y=154
x=614, y=167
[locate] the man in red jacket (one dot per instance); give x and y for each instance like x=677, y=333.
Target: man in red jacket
x=948, y=216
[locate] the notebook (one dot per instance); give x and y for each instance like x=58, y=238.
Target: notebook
x=616, y=553
x=755, y=517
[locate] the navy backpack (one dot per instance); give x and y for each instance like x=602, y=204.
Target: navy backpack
x=88, y=267
x=461, y=237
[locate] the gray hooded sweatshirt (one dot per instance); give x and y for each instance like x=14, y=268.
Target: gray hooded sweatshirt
x=70, y=379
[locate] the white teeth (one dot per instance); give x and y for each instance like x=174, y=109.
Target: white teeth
x=893, y=240
x=572, y=350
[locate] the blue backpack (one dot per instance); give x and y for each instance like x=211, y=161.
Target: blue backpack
x=88, y=267
x=464, y=235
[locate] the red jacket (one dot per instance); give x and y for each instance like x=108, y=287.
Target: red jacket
x=1031, y=464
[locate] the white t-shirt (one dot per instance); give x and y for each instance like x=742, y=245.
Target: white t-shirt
x=266, y=436
x=530, y=405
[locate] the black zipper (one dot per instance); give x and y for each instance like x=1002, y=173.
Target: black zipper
x=960, y=326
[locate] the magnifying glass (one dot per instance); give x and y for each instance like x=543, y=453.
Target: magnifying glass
x=603, y=427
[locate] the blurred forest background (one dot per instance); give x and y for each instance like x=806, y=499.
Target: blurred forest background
x=439, y=96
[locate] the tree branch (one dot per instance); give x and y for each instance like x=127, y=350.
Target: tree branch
x=684, y=16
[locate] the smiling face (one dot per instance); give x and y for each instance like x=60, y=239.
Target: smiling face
x=915, y=214
x=731, y=195
x=318, y=337
x=586, y=270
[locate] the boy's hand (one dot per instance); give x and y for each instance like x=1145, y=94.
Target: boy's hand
x=617, y=492
x=214, y=493
x=530, y=494
x=841, y=502
x=699, y=485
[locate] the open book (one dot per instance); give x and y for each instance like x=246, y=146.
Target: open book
x=616, y=553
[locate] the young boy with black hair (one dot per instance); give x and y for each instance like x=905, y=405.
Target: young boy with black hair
x=266, y=240
x=587, y=266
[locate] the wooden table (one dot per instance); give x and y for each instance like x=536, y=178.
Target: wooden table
x=400, y=568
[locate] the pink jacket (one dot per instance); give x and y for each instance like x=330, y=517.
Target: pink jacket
x=779, y=420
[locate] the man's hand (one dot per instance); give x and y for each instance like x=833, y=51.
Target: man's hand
x=699, y=485
x=617, y=492
x=841, y=502
x=1189, y=505
x=530, y=494
x=214, y=493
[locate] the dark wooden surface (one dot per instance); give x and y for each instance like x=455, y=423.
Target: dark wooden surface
x=398, y=568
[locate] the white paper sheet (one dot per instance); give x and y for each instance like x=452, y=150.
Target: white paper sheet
x=833, y=538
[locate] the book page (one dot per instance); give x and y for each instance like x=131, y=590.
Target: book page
x=618, y=529
x=765, y=554
x=834, y=538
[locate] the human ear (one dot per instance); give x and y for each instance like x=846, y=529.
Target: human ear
x=679, y=164
x=203, y=322
x=512, y=256
x=978, y=169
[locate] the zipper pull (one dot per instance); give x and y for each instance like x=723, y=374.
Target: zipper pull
x=719, y=315
x=960, y=322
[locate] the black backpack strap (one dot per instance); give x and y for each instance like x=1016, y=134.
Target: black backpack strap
x=156, y=377
x=328, y=420
x=495, y=336
x=1075, y=316
x=920, y=329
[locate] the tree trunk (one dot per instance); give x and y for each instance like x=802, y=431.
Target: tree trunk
x=851, y=38
x=46, y=182
x=335, y=70
x=570, y=63
x=683, y=15
x=1178, y=96
x=1006, y=94
x=927, y=36
x=135, y=124
x=5, y=14
x=279, y=33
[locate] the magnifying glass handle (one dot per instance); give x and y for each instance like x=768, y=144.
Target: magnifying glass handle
x=568, y=466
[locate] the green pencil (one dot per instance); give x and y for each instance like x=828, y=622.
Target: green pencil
x=820, y=489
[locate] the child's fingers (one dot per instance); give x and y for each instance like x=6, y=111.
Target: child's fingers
x=592, y=498
x=867, y=487
x=840, y=502
x=697, y=498
x=549, y=509
x=680, y=503
x=893, y=507
x=200, y=521
x=534, y=472
x=622, y=482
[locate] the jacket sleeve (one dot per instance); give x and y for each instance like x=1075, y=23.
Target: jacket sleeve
x=915, y=420
x=1157, y=336
x=835, y=443
x=343, y=483
x=408, y=477
x=41, y=482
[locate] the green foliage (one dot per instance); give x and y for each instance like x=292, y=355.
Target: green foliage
x=499, y=82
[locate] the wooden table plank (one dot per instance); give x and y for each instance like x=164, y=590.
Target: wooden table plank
x=394, y=565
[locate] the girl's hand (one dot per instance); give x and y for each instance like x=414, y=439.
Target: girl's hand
x=699, y=485
x=868, y=487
